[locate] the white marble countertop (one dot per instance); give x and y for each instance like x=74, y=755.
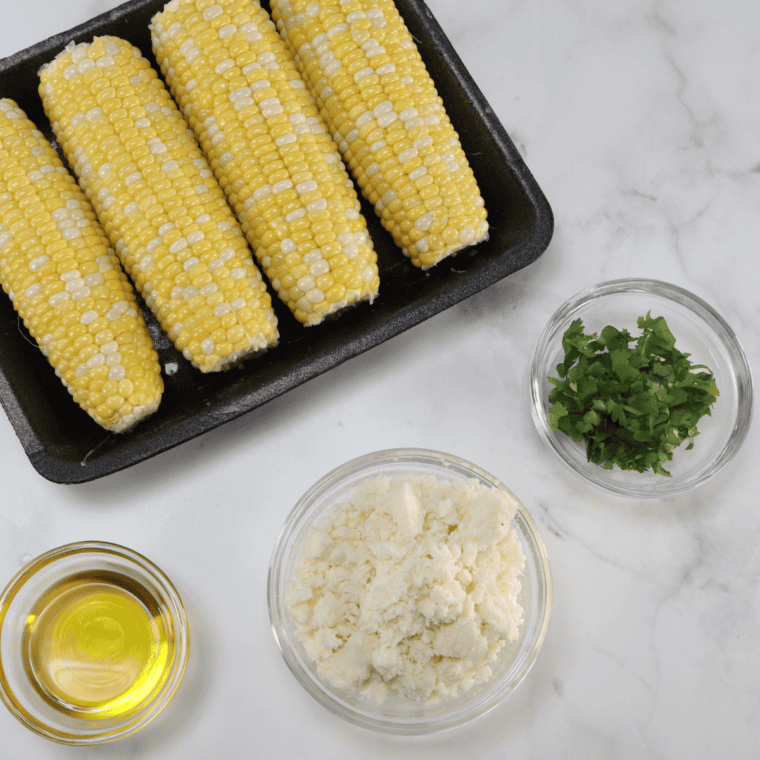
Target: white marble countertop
x=640, y=122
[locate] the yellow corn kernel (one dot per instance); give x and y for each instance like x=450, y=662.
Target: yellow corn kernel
x=66, y=283
x=366, y=75
x=238, y=86
x=158, y=200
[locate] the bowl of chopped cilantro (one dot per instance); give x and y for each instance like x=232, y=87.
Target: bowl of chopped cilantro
x=641, y=388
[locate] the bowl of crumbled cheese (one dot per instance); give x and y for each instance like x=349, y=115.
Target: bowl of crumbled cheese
x=409, y=591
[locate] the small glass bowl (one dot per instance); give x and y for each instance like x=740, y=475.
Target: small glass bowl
x=395, y=715
x=28, y=698
x=700, y=331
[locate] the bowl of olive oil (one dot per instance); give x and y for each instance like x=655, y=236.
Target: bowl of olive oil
x=93, y=643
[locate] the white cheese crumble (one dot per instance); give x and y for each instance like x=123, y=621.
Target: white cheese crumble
x=409, y=587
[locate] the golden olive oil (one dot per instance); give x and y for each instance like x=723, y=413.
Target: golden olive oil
x=96, y=645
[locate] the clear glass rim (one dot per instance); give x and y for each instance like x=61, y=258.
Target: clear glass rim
x=277, y=614
x=173, y=601
x=740, y=370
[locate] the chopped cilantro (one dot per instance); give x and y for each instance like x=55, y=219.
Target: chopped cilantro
x=631, y=406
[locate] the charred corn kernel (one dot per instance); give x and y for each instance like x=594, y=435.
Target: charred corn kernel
x=158, y=200
x=66, y=282
x=366, y=75
x=239, y=88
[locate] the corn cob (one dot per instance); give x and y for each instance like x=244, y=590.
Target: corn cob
x=240, y=91
x=158, y=201
x=365, y=73
x=66, y=282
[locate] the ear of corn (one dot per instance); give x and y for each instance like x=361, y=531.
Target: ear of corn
x=158, y=201
x=67, y=284
x=242, y=95
x=367, y=77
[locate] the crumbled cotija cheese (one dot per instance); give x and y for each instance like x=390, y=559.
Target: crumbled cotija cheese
x=409, y=587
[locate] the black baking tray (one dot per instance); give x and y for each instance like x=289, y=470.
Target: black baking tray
x=65, y=446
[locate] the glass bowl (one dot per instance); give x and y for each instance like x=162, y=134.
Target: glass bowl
x=396, y=715
x=93, y=643
x=700, y=331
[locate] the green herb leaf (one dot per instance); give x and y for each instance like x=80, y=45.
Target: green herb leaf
x=630, y=405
